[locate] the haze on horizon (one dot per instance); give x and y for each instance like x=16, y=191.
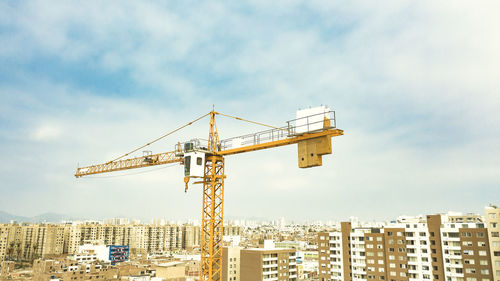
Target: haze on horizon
x=414, y=86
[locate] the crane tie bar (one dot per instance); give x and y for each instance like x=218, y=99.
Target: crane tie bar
x=159, y=138
x=249, y=121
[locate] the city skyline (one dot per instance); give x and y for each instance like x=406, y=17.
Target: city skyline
x=416, y=98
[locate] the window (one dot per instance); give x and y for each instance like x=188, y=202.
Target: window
x=483, y=262
x=482, y=253
x=494, y=234
x=493, y=224
x=492, y=215
x=480, y=234
x=470, y=270
x=467, y=261
x=485, y=271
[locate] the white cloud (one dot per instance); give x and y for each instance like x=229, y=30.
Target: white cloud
x=414, y=85
x=47, y=132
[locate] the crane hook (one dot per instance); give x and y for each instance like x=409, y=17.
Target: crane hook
x=186, y=180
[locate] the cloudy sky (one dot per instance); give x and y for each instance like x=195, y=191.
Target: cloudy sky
x=415, y=86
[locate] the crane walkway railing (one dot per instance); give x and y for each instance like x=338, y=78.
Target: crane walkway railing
x=296, y=127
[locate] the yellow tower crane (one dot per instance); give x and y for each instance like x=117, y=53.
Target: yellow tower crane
x=312, y=131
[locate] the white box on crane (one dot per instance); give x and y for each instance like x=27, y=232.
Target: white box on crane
x=311, y=119
x=194, y=164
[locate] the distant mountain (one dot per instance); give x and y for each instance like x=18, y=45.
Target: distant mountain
x=47, y=217
x=6, y=217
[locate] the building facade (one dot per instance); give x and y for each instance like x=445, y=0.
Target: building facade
x=31, y=241
x=493, y=223
x=268, y=264
x=434, y=248
x=231, y=263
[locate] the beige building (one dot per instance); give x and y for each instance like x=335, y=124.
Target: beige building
x=31, y=241
x=492, y=215
x=4, y=235
x=6, y=267
x=171, y=271
x=268, y=264
x=231, y=263
x=65, y=270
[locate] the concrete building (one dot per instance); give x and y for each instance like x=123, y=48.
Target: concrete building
x=171, y=271
x=231, y=263
x=4, y=236
x=268, y=264
x=434, y=248
x=492, y=215
x=65, y=270
x=6, y=267
x=31, y=241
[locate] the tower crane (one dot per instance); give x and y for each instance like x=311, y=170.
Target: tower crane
x=203, y=161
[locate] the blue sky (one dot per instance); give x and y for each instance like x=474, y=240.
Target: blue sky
x=414, y=85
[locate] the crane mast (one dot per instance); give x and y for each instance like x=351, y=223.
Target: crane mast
x=311, y=131
x=213, y=208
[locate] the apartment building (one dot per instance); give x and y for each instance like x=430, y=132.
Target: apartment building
x=4, y=235
x=492, y=215
x=434, y=248
x=32, y=241
x=268, y=264
x=231, y=263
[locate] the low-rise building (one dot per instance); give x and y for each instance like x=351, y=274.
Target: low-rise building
x=274, y=264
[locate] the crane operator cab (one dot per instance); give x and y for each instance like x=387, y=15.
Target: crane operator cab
x=194, y=164
x=194, y=160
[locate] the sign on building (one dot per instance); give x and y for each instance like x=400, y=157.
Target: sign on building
x=118, y=253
